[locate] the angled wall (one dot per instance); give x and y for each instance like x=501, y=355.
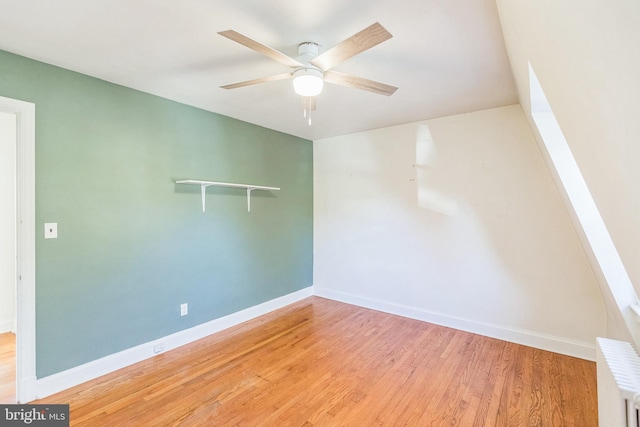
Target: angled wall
x=585, y=56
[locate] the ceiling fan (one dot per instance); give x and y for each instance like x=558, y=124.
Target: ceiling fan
x=311, y=69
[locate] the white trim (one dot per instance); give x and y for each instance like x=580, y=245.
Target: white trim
x=74, y=376
x=552, y=343
x=26, y=247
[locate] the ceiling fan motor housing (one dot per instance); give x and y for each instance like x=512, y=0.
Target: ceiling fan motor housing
x=307, y=51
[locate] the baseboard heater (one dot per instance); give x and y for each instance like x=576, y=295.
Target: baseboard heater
x=618, y=374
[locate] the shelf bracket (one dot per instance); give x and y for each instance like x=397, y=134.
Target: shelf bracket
x=203, y=190
x=249, y=189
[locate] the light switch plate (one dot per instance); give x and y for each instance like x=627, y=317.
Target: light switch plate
x=50, y=230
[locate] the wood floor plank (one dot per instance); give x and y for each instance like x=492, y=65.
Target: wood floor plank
x=7, y=367
x=486, y=383
x=323, y=363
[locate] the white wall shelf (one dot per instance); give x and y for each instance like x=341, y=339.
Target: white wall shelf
x=204, y=184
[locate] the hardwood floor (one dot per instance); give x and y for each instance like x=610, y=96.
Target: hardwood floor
x=323, y=363
x=7, y=368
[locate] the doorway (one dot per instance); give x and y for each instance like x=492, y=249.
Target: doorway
x=21, y=116
x=8, y=257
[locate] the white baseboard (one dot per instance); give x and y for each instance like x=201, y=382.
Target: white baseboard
x=7, y=325
x=63, y=380
x=552, y=343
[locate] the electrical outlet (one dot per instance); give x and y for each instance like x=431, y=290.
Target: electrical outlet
x=158, y=348
x=184, y=309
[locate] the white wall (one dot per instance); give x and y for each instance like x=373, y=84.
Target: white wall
x=585, y=54
x=7, y=221
x=454, y=220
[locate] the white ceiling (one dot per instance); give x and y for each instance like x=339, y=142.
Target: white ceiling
x=446, y=56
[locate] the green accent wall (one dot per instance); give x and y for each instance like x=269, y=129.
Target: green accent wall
x=132, y=245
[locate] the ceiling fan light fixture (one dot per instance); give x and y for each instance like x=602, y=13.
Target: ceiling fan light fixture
x=307, y=81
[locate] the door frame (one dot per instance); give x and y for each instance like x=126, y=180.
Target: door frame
x=25, y=247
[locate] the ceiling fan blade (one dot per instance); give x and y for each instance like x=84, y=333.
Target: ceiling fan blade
x=359, y=42
x=258, y=81
x=348, y=80
x=260, y=48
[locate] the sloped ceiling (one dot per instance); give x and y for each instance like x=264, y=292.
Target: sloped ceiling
x=446, y=56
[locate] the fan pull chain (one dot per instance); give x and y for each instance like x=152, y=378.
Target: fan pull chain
x=307, y=103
